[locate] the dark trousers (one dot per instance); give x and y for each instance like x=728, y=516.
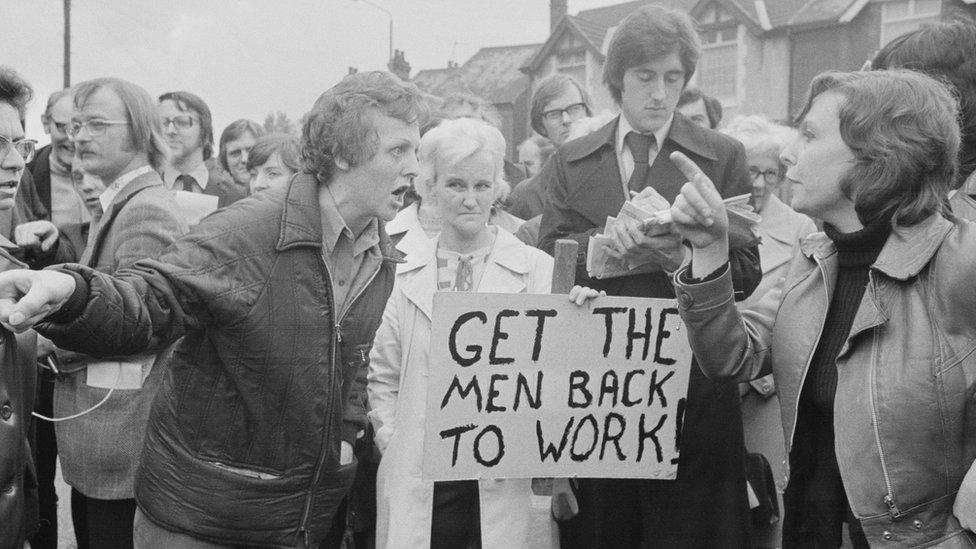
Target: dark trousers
x=102, y=523
x=456, y=519
x=46, y=461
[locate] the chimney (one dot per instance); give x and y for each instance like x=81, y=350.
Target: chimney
x=399, y=66
x=557, y=9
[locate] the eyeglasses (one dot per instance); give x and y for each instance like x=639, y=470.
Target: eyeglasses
x=24, y=147
x=771, y=177
x=183, y=122
x=574, y=111
x=95, y=126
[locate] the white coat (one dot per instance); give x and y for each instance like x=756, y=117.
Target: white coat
x=397, y=389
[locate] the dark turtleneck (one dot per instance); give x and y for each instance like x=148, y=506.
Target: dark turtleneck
x=855, y=253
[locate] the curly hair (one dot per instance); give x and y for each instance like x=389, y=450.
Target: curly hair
x=455, y=140
x=15, y=91
x=339, y=126
x=902, y=128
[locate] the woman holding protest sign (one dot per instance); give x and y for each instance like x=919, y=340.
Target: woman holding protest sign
x=461, y=169
x=877, y=403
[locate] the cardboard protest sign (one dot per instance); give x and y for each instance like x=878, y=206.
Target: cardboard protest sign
x=533, y=386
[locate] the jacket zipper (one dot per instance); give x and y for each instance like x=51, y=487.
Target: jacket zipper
x=337, y=339
x=889, y=499
x=806, y=367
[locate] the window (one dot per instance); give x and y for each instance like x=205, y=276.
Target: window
x=570, y=58
x=718, y=68
x=901, y=16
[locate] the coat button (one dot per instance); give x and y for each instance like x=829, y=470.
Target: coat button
x=6, y=411
x=917, y=524
x=685, y=299
x=887, y=535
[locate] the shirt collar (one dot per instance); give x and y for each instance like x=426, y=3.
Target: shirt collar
x=334, y=227
x=113, y=189
x=200, y=173
x=624, y=127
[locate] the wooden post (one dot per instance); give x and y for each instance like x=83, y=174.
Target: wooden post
x=564, y=504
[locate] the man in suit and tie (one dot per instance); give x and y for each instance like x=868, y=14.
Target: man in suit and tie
x=650, y=59
x=188, y=129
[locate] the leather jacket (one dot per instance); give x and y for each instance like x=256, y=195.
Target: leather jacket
x=242, y=446
x=905, y=412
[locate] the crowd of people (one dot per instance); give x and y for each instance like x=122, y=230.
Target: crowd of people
x=226, y=344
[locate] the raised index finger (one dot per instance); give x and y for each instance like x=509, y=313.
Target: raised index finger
x=687, y=167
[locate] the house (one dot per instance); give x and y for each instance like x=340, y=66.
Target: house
x=493, y=74
x=758, y=56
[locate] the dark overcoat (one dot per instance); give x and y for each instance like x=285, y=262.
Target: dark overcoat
x=706, y=506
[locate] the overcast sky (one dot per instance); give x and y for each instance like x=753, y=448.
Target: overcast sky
x=247, y=58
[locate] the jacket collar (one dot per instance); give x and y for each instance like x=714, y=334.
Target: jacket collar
x=683, y=132
x=301, y=220
x=506, y=266
x=905, y=253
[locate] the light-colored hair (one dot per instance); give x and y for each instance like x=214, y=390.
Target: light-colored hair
x=455, y=140
x=145, y=130
x=759, y=136
x=903, y=128
x=266, y=146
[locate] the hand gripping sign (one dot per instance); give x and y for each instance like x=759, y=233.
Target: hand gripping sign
x=534, y=386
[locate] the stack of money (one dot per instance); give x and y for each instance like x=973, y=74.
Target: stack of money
x=743, y=232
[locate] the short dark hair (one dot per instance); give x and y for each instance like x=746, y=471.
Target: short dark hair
x=549, y=89
x=187, y=101
x=650, y=32
x=145, y=130
x=339, y=125
x=902, y=128
x=713, y=107
x=15, y=91
x=234, y=131
x=946, y=51
x=285, y=145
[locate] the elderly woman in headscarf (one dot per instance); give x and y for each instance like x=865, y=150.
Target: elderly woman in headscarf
x=871, y=335
x=461, y=177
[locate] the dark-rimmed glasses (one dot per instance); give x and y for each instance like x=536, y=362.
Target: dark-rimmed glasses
x=95, y=126
x=574, y=111
x=772, y=177
x=182, y=122
x=24, y=147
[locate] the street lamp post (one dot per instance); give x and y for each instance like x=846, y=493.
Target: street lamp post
x=388, y=14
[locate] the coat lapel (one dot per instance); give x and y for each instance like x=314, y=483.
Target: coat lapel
x=598, y=186
x=104, y=224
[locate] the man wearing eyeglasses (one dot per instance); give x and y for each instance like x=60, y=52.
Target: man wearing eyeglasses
x=188, y=129
x=556, y=104
x=18, y=499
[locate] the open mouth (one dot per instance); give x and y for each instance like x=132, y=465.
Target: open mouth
x=400, y=191
x=7, y=185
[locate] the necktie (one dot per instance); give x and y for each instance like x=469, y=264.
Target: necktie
x=465, y=275
x=186, y=183
x=640, y=146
